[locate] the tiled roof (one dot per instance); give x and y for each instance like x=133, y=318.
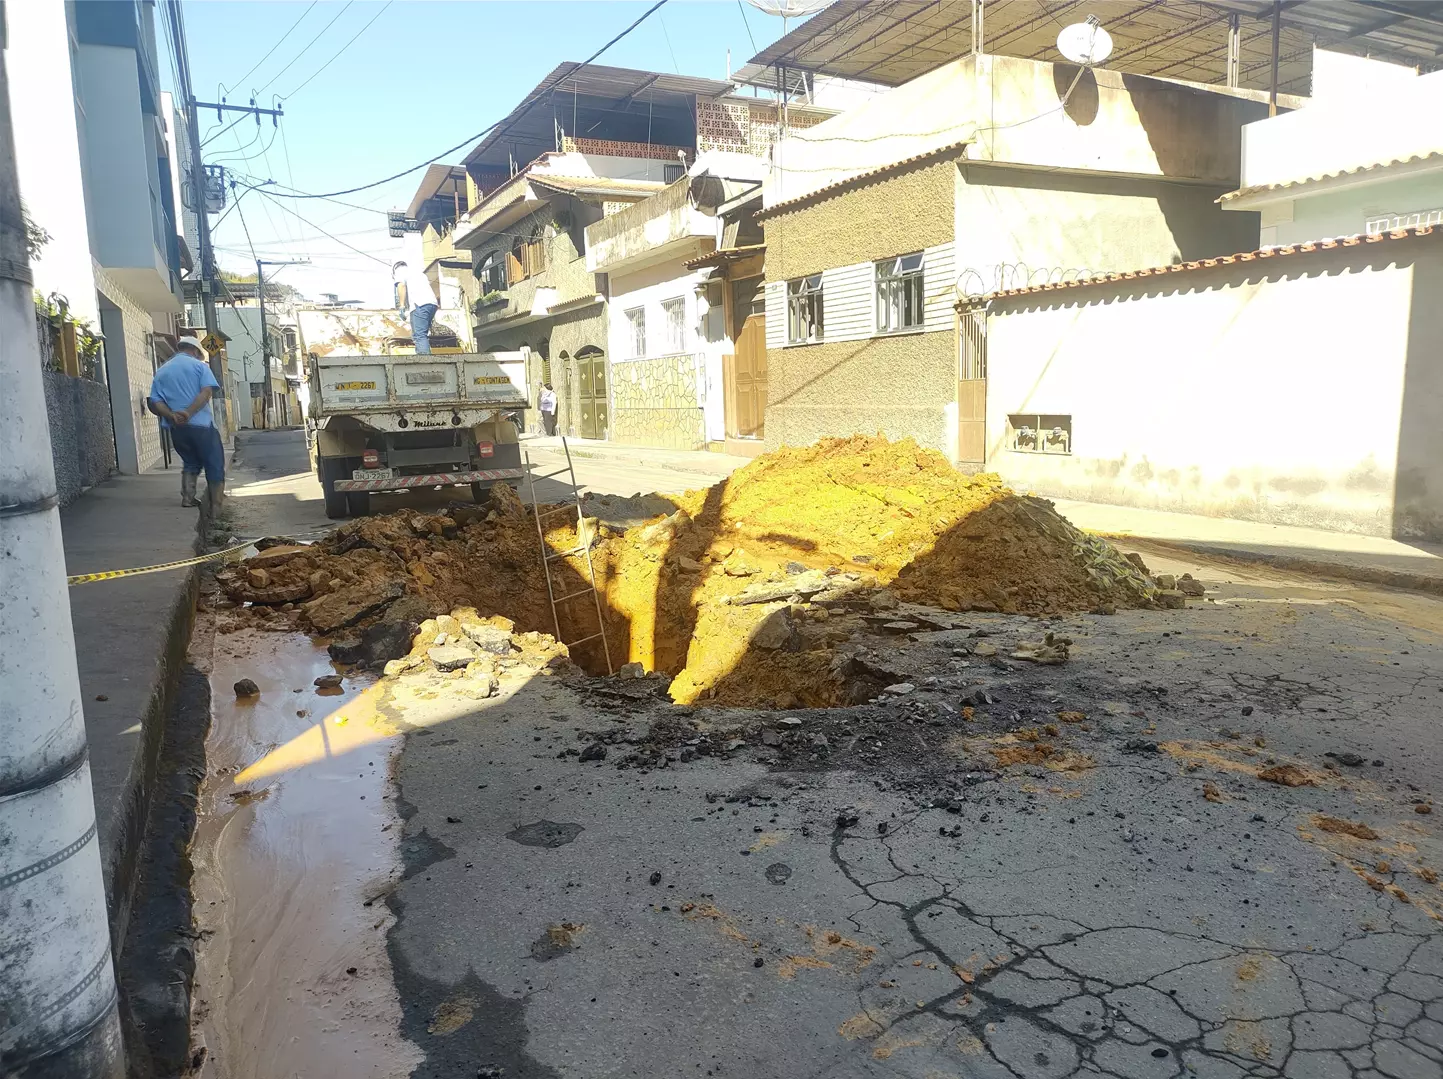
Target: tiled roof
x=722, y=255
x=1204, y=264
x=1258, y=189
x=830, y=189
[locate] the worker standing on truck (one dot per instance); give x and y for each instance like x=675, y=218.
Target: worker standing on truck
x=180, y=395
x=415, y=295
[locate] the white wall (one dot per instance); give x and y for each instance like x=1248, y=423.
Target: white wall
x=1397, y=200
x=48, y=152
x=1217, y=393
x=1012, y=110
x=118, y=198
x=130, y=369
x=1363, y=116
x=617, y=168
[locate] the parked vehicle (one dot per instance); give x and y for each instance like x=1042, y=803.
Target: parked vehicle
x=402, y=421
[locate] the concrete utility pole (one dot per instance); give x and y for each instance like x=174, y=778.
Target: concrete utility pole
x=197, y=177
x=58, y=1005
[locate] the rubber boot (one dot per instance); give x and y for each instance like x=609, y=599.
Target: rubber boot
x=187, y=489
x=215, y=496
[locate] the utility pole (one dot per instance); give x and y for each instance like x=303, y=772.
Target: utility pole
x=265, y=333
x=197, y=173
x=58, y=1004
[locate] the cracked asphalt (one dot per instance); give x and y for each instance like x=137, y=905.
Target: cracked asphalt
x=1139, y=903
x=1013, y=870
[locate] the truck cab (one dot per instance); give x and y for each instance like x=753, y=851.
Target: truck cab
x=400, y=421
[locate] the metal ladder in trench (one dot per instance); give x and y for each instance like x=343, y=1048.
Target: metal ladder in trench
x=583, y=548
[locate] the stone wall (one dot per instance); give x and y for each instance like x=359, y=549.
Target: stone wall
x=654, y=402
x=82, y=440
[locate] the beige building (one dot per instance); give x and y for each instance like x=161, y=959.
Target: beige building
x=986, y=173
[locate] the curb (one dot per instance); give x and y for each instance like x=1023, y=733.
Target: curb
x=121, y=862
x=1366, y=575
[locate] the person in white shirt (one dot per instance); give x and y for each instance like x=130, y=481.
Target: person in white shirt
x=546, y=402
x=414, y=294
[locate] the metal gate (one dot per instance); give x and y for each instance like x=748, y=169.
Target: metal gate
x=593, y=389
x=972, y=387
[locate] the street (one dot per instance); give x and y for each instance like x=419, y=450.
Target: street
x=1204, y=845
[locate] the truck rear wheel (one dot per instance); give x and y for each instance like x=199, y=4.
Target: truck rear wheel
x=336, y=502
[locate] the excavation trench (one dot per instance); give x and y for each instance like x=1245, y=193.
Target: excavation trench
x=745, y=593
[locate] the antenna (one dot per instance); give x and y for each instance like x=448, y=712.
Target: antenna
x=1085, y=43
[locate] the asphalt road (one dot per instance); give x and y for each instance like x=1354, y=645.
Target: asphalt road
x=1136, y=901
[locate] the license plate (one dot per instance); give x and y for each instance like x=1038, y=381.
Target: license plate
x=372, y=474
x=356, y=385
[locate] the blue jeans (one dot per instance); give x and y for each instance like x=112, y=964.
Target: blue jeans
x=200, y=448
x=421, y=327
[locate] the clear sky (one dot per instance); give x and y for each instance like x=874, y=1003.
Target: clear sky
x=402, y=81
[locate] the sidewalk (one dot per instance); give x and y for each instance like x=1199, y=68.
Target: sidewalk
x=1372, y=559
x=130, y=640
x=700, y=462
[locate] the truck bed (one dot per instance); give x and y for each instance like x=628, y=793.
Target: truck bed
x=348, y=385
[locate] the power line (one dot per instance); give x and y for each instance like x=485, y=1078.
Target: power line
x=322, y=231
x=480, y=134
x=302, y=53
x=278, y=44
x=342, y=49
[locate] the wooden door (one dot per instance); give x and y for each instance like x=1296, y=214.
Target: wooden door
x=592, y=399
x=748, y=389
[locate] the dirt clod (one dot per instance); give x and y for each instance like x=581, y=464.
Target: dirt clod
x=1287, y=776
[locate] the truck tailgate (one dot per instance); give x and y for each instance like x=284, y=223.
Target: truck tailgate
x=474, y=380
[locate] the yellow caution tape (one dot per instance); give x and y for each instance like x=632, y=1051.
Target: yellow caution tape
x=106, y=575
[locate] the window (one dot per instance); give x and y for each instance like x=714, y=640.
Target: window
x=1040, y=433
x=636, y=322
x=899, y=293
x=675, y=313
x=671, y=173
x=492, y=273
x=804, y=309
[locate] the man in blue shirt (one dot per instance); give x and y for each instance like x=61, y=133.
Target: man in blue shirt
x=180, y=395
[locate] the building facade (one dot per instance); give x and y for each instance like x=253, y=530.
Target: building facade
x=95, y=174
x=1307, y=183
x=986, y=172
x=667, y=326
x=1216, y=388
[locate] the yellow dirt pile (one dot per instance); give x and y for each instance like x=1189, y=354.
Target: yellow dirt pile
x=745, y=591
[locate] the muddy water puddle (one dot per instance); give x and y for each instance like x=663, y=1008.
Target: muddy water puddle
x=297, y=832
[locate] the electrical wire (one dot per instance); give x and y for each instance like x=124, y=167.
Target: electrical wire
x=479, y=135
x=276, y=46
x=342, y=49
x=302, y=53
x=322, y=231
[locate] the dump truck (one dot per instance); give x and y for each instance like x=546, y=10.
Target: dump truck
x=400, y=421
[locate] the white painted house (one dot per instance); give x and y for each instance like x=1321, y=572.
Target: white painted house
x=1364, y=155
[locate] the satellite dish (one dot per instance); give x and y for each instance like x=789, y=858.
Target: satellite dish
x=1085, y=43
x=789, y=9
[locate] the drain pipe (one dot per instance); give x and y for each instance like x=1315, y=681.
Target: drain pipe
x=58, y=1014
